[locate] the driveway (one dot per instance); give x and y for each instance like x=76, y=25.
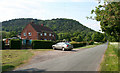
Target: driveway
x=76, y=60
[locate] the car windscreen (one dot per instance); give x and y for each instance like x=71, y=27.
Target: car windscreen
x=67, y=43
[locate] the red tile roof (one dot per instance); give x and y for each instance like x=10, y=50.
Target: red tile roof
x=40, y=28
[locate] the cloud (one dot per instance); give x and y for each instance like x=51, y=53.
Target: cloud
x=83, y=0
x=94, y=25
x=67, y=0
x=10, y=9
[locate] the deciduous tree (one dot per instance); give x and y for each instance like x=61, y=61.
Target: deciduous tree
x=109, y=16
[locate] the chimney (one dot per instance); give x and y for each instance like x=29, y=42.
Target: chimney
x=41, y=24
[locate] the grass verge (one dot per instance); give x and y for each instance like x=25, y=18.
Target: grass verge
x=42, y=49
x=13, y=58
x=110, y=61
x=88, y=46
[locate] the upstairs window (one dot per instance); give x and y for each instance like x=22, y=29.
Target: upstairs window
x=29, y=33
x=53, y=35
x=24, y=34
x=41, y=34
x=49, y=34
x=45, y=34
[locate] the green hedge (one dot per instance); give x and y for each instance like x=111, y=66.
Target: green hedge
x=91, y=42
x=3, y=44
x=42, y=44
x=78, y=44
x=15, y=43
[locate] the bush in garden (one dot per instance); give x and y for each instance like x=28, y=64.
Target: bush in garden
x=3, y=45
x=15, y=43
x=78, y=44
x=42, y=44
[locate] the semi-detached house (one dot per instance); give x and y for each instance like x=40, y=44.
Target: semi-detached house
x=37, y=32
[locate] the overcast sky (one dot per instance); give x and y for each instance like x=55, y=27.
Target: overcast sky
x=49, y=9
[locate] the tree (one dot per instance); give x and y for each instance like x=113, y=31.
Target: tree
x=79, y=38
x=5, y=34
x=60, y=36
x=113, y=39
x=98, y=37
x=88, y=37
x=73, y=38
x=109, y=17
x=13, y=34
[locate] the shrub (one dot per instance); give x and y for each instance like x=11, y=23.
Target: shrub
x=78, y=44
x=3, y=45
x=57, y=41
x=15, y=43
x=42, y=44
x=91, y=42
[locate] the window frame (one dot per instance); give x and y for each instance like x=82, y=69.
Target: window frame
x=24, y=34
x=50, y=34
x=29, y=33
x=53, y=35
x=45, y=34
x=41, y=34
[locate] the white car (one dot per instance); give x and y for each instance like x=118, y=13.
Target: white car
x=63, y=45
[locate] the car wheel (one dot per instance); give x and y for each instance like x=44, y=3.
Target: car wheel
x=53, y=48
x=63, y=49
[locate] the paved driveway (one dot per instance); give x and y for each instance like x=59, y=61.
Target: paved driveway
x=81, y=60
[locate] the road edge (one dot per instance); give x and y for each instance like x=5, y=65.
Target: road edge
x=102, y=58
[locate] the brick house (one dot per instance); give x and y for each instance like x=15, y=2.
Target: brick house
x=37, y=32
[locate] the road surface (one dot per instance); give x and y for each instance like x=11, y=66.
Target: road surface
x=83, y=60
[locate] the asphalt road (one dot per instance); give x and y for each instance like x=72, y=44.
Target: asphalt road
x=83, y=60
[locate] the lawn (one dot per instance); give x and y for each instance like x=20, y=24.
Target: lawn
x=110, y=61
x=42, y=49
x=13, y=58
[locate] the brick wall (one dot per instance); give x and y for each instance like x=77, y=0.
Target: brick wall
x=35, y=35
x=28, y=29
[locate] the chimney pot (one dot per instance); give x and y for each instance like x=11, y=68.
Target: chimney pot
x=41, y=24
x=32, y=22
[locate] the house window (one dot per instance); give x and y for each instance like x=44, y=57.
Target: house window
x=29, y=33
x=24, y=34
x=53, y=35
x=50, y=34
x=45, y=34
x=41, y=34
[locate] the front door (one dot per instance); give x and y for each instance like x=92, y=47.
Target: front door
x=27, y=42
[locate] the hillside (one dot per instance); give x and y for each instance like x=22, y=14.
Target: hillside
x=59, y=26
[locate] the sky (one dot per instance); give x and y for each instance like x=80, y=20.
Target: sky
x=49, y=9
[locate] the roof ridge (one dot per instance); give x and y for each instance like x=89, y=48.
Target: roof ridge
x=40, y=28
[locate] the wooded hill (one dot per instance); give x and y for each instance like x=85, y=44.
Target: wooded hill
x=64, y=28
x=58, y=25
